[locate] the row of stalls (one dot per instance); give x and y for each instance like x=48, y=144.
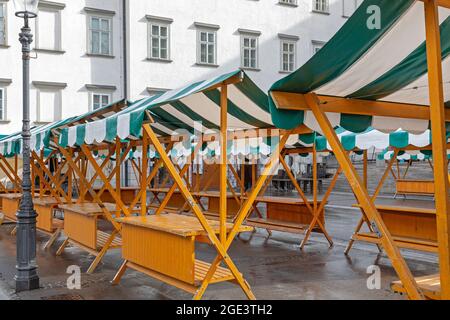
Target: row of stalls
x=373, y=93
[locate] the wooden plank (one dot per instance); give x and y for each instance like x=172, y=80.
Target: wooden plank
x=429, y=285
x=181, y=225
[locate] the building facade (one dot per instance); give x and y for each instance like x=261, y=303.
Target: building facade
x=92, y=52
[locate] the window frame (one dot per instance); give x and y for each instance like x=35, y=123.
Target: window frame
x=58, y=32
x=199, y=45
x=250, y=36
x=355, y=3
x=160, y=24
x=3, y=111
x=282, y=52
x=101, y=95
x=57, y=114
x=324, y=7
x=317, y=44
x=90, y=30
x=293, y=3
x=5, y=22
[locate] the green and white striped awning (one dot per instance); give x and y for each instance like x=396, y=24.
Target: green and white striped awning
x=41, y=135
x=196, y=105
x=384, y=64
x=372, y=138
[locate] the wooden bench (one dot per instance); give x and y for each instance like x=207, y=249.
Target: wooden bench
x=286, y=215
x=412, y=224
x=127, y=194
x=81, y=230
x=175, y=204
x=414, y=187
x=429, y=285
x=163, y=247
x=213, y=197
x=46, y=222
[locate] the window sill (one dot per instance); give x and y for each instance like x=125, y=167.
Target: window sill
x=285, y=72
x=327, y=13
x=288, y=4
x=51, y=51
x=250, y=69
x=94, y=55
x=208, y=65
x=159, y=60
x=5, y=121
x=40, y=123
x=4, y=46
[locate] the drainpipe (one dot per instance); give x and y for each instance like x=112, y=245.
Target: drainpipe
x=125, y=70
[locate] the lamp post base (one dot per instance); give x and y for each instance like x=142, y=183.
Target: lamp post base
x=26, y=283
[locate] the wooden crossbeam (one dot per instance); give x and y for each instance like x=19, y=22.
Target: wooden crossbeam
x=296, y=101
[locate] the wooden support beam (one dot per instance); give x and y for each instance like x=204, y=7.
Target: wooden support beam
x=296, y=101
x=364, y=200
x=223, y=163
x=439, y=141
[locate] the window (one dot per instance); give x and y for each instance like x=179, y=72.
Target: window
x=48, y=101
x=321, y=6
x=2, y=104
x=288, y=55
x=48, y=106
x=159, y=41
x=159, y=38
x=348, y=7
x=207, y=46
x=290, y=2
x=100, y=100
x=249, y=50
x=317, y=45
x=2, y=23
x=100, y=30
x=48, y=28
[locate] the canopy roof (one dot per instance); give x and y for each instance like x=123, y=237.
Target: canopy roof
x=41, y=135
x=380, y=64
x=198, y=102
x=372, y=138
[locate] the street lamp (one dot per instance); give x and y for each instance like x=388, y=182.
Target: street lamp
x=26, y=269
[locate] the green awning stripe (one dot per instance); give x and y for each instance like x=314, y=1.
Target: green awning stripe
x=355, y=123
x=254, y=93
x=214, y=95
x=410, y=69
x=169, y=121
x=180, y=106
x=351, y=42
x=81, y=133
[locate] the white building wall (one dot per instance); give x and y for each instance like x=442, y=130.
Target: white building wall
x=266, y=16
x=72, y=69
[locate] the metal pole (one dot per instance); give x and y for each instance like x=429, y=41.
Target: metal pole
x=26, y=277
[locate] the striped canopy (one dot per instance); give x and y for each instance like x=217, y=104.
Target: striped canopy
x=196, y=105
x=41, y=135
x=372, y=138
x=378, y=64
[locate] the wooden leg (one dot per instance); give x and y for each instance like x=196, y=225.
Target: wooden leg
x=351, y=242
x=14, y=231
x=102, y=252
x=52, y=239
x=62, y=247
x=120, y=273
x=364, y=200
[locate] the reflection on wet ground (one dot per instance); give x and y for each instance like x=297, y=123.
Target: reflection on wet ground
x=274, y=267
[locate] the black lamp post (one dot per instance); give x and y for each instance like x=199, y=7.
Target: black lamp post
x=26, y=276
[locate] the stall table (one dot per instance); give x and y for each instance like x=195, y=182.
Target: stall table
x=412, y=224
x=46, y=221
x=81, y=228
x=286, y=215
x=414, y=187
x=163, y=247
